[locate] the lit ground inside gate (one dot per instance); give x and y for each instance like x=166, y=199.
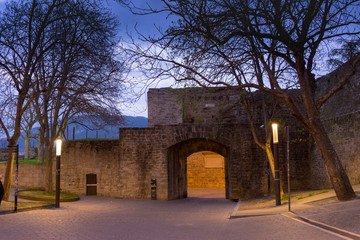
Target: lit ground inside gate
x=206, y=192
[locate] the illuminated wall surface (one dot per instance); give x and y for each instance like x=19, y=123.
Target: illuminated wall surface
x=205, y=170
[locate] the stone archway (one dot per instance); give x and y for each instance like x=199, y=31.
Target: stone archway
x=177, y=155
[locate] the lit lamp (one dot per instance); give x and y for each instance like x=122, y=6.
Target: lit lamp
x=275, y=133
x=276, y=163
x=58, y=143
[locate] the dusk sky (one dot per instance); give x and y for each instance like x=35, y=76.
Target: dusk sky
x=147, y=26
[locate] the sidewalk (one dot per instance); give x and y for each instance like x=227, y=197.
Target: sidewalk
x=322, y=210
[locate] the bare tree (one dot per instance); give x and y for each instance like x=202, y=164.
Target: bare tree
x=79, y=75
x=210, y=42
x=22, y=25
x=27, y=123
x=348, y=50
x=60, y=56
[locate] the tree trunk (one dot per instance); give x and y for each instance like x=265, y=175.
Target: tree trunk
x=27, y=141
x=41, y=147
x=49, y=182
x=41, y=153
x=334, y=168
x=270, y=157
x=333, y=165
x=8, y=175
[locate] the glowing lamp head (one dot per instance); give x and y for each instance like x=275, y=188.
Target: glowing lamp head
x=58, y=143
x=275, y=133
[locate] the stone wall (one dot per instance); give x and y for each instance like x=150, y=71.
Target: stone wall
x=346, y=101
x=125, y=167
x=201, y=107
x=32, y=153
x=202, y=174
x=300, y=158
x=341, y=116
x=31, y=176
x=164, y=107
x=167, y=106
x=344, y=134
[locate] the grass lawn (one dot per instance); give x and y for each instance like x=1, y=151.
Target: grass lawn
x=42, y=200
x=33, y=161
x=28, y=161
x=299, y=196
x=40, y=195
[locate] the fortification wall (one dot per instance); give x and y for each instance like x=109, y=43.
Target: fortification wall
x=344, y=134
x=167, y=106
x=344, y=102
x=164, y=107
x=31, y=176
x=341, y=116
x=125, y=167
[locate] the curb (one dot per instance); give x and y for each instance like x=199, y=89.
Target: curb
x=48, y=206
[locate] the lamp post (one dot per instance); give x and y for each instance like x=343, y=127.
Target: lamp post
x=287, y=137
x=58, y=155
x=276, y=163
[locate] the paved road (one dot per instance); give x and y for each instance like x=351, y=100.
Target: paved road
x=109, y=218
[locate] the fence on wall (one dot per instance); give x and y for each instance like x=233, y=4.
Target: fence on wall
x=77, y=133
x=70, y=133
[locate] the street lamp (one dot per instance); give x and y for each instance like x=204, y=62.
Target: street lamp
x=276, y=163
x=58, y=143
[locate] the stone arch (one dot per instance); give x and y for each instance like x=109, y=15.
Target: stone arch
x=182, y=133
x=176, y=158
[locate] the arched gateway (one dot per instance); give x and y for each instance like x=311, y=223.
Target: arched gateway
x=127, y=167
x=177, y=163
x=245, y=163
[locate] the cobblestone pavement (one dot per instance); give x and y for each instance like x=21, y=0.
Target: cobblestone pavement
x=109, y=218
